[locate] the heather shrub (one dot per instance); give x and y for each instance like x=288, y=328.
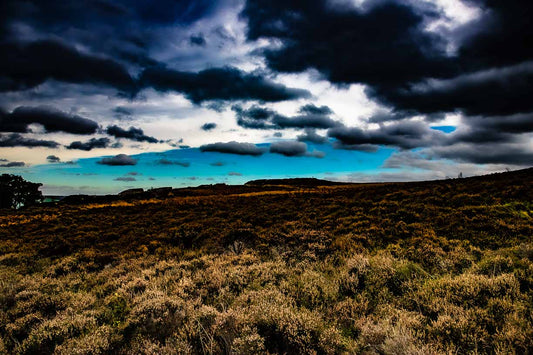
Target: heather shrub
x=97, y=341
x=392, y=331
x=353, y=275
x=45, y=337
x=152, y=347
x=364, y=269
x=287, y=328
x=156, y=315
x=311, y=288
x=495, y=265
x=116, y=310
x=468, y=290
x=471, y=311
x=249, y=342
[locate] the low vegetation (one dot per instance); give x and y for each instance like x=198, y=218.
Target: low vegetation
x=441, y=267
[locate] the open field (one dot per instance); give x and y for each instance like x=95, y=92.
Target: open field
x=399, y=268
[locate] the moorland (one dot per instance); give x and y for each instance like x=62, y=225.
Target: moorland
x=303, y=266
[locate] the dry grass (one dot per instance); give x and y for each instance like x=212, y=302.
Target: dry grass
x=381, y=269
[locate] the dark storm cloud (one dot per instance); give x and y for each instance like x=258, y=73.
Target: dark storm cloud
x=233, y=148
x=121, y=29
x=491, y=129
x=506, y=36
x=310, y=135
x=293, y=149
x=405, y=135
x=17, y=140
x=53, y=159
x=50, y=118
x=486, y=154
x=255, y=112
x=164, y=161
x=208, y=126
x=519, y=123
x=24, y=66
x=218, y=84
x=496, y=91
x=217, y=106
x=135, y=134
x=168, y=11
x=98, y=13
x=480, y=140
x=90, y=144
x=13, y=164
x=310, y=116
x=254, y=124
x=222, y=33
x=410, y=159
x=125, y=178
x=351, y=136
x=385, y=116
x=481, y=130
x=197, y=40
x=315, y=110
x=118, y=160
x=255, y=117
x=304, y=121
x=289, y=148
x=122, y=112
x=385, y=45
x=43, y=40
x=479, y=135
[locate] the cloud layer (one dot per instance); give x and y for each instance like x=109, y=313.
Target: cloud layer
x=254, y=77
x=50, y=118
x=233, y=148
x=118, y=160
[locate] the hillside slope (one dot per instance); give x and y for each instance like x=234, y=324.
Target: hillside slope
x=420, y=268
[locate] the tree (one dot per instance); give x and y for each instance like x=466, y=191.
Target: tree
x=16, y=192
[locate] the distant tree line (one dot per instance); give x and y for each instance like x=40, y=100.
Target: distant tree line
x=16, y=192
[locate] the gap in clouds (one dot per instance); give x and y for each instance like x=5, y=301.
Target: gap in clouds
x=191, y=167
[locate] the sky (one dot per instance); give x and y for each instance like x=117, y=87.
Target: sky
x=97, y=96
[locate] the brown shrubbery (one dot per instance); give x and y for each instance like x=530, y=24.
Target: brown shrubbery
x=427, y=268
